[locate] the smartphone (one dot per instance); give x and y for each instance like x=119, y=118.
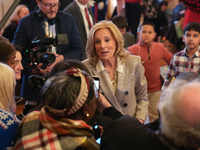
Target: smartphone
x=98, y=140
x=96, y=86
x=97, y=132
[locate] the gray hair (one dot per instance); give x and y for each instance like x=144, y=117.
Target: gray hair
x=174, y=125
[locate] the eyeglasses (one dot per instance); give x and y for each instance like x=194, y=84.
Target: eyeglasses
x=50, y=6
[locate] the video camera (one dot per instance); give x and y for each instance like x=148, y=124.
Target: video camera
x=40, y=52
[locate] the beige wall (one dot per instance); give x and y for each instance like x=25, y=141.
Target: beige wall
x=4, y=6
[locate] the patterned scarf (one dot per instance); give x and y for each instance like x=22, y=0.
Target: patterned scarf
x=39, y=131
x=64, y=125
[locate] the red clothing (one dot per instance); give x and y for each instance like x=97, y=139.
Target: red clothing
x=192, y=4
x=191, y=16
x=152, y=63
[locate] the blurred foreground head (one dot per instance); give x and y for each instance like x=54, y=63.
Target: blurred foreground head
x=180, y=112
x=7, y=88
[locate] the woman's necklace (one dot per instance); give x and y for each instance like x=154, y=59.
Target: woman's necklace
x=111, y=73
x=148, y=53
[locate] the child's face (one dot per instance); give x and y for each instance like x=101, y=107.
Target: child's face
x=191, y=39
x=122, y=30
x=146, y=34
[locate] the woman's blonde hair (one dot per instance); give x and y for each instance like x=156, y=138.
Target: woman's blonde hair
x=15, y=15
x=7, y=88
x=90, y=47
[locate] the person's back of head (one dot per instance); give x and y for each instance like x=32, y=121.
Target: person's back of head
x=120, y=21
x=7, y=88
x=67, y=64
x=185, y=76
x=195, y=26
x=67, y=92
x=180, y=113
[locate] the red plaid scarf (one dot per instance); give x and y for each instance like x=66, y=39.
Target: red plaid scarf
x=39, y=131
x=64, y=125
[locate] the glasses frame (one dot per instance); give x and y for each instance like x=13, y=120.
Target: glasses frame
x=50, y=6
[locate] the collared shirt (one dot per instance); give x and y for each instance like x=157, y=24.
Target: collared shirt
x=119, y=69
x=181, y=62
x=52, y=32
x=82, y=9
x=52, y=29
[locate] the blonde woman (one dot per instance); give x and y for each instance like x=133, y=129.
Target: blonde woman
x=20, y=12
x=121, y=75
x=8, y=119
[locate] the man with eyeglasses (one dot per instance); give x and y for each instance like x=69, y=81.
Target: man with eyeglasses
x=46, y=21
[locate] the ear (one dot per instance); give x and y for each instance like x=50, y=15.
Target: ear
x=138, y=33
x=85, y=109
x=183, y=38
x=154, y=35
x=37, y=1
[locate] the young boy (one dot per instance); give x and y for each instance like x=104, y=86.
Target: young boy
x=187, y=60
x=121, y=22
x=151, y=53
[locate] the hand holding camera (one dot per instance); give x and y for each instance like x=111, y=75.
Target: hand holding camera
x=41, y=70
x=58, y=59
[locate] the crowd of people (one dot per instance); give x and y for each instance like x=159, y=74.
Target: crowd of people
x=59, y=53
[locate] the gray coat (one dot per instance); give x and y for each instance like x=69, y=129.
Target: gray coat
x=131, y=97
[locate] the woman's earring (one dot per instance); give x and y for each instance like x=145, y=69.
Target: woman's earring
x=87, y=115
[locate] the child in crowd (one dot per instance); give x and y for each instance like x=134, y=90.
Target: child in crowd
x=151, y=53
x=187, y=60
x=121, y=22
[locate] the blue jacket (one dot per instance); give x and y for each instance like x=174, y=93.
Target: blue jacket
x=30, y=27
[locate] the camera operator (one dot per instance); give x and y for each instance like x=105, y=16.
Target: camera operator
x=47, y=21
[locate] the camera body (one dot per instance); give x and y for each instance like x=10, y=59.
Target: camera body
x=40, y=52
